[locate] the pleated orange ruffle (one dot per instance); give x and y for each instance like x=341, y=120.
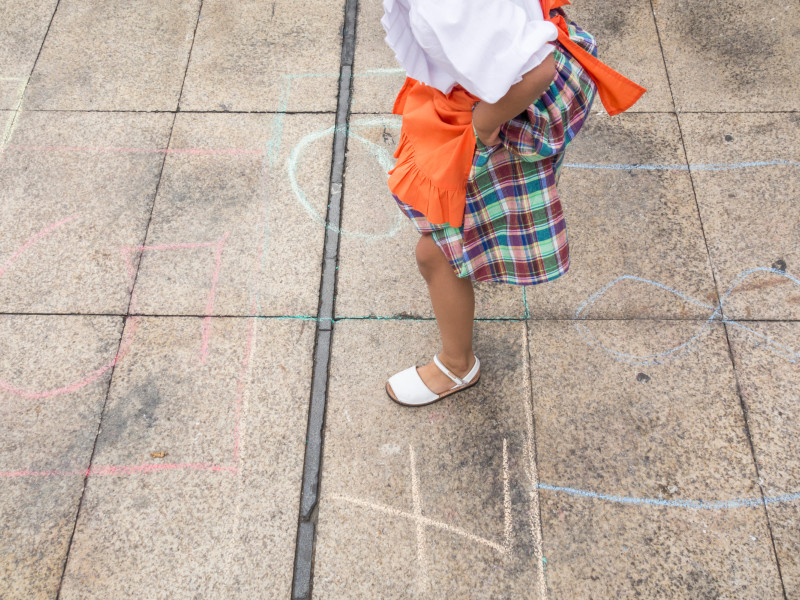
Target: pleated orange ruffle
x=435, y=151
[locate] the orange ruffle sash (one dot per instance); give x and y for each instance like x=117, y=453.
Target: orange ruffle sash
x=437, y=142
x=435, y=151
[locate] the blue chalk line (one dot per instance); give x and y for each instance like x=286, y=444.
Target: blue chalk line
x=717, y=315
x=677, y=167
x=693, y=504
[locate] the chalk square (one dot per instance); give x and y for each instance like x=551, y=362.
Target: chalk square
x=77, y=188
x=746, y=174
x=767, y=359
x=630, y=213
x=244, y=51
x=377, y=274
x=238, y=225
x=634, y=452
x=185, y=531
x=106, y=55
x=54, y=373
x=730, y=56
x=427, y=502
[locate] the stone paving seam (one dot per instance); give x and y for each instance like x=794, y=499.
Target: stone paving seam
x=91, y=459
x=725, y=325
x=127, y=312
x=18, y=109
x=302, y=579
x=743, y=406
x=188, y=61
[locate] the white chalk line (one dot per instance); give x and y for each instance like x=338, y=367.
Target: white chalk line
x=395, y=512
x=507, y=520
x=717, y=315
x=382, y=155
x=11, y=124
x=422, y=554
x=678, y=167
x=532, y=472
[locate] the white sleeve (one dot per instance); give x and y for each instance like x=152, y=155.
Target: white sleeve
x=484, y=45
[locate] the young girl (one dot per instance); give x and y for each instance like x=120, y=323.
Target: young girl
x=496, y=89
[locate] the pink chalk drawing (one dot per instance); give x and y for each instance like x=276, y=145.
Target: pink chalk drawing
x=218, y=245
x=127, y=253
x=195, y=151
x=129, y=333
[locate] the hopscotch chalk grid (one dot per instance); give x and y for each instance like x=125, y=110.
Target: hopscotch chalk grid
x=268, y=157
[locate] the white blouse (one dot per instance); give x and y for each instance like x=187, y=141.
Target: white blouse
x=483, y=45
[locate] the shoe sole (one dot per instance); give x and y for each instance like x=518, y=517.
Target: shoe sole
x=440, y=397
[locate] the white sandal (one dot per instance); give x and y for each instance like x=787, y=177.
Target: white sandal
x=410, y=390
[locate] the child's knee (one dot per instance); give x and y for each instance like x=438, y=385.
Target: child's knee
x=428, y=256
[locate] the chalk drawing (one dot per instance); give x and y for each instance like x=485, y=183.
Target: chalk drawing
x=755, y=502
x=532, y=473
x=380, y=153
x=678, y=167
x=190, y=151
x=421, y=522
x=11, y=123
x=422, y=552
x=110, y=470
x=716, y=315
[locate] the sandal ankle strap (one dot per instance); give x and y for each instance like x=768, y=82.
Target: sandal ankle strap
x=445, y=370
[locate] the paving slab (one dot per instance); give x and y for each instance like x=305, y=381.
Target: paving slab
x=425, y=502
x=631, y=214
x=767, y=358
x=719, y=53
x=257, y=56
x=106, y=55
x=215, y=514
x=76, y=188
x=23, y=25
x=746, y=173
x=54, y=375
x=238, y=225
x=649, y=485
x=377, y=76
x=378, y=273
x=619, y=29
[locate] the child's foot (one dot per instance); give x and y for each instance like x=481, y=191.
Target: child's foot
x=420, y=386
x=438, y=382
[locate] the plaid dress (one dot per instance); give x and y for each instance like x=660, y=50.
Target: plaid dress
x=514, y=230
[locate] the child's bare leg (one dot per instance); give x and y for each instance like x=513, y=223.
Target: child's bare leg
x=453, y=302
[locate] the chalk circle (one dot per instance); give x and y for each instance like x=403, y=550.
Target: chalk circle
x=384, y=158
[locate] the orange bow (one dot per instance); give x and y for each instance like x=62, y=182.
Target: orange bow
x=617, y=92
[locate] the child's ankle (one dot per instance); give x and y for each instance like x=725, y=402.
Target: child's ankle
x=458, y=364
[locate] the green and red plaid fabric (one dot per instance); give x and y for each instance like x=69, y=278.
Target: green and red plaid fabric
x=514, y=229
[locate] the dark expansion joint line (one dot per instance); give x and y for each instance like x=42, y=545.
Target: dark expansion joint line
x=312, y=465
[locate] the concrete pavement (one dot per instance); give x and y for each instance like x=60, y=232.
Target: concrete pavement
x=182, y=300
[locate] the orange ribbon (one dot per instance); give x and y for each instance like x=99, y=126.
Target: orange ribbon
x=437, y=142
x=617, y=92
